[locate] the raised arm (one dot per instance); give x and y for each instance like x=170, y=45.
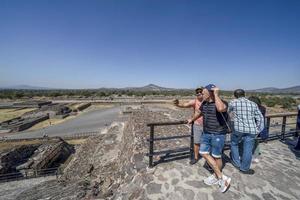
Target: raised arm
x=220, y=105
x=183, y=104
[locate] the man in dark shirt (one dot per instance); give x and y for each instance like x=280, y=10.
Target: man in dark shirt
x=215, y=127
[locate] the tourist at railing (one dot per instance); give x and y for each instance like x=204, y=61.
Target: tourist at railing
x=248, y=122
x=264, y=134
x=214, y=112
x=198, y=125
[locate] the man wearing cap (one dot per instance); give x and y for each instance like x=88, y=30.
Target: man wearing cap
x=215, y=127
x=197, y=127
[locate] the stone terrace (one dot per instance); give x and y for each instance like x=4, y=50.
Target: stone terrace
x=277, y=174
x=113, y=165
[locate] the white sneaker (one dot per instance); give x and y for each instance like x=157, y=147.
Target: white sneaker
x=211, y=180
x=224, y=183
x=255, y=160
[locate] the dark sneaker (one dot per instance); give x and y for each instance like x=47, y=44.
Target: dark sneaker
x=249, y=172
x=194, y=161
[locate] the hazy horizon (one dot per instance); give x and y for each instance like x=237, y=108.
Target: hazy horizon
x=51, y=88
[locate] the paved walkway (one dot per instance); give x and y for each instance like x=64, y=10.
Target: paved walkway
x=87, y=122
x=277, y=177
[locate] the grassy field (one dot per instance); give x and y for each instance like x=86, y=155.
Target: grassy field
x=6, y=114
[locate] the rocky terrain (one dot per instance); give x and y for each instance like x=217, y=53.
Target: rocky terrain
x=113, y=165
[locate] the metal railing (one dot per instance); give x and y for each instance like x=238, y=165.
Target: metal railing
x=66, y=137
x=29, y=174
x=181, y=151
x=281, y=135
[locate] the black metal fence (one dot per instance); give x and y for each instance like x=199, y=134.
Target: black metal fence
x=280, y=134
x=65, y=137
x=180, y=151
x=29, y=174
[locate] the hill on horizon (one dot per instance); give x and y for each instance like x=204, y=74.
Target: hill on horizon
x=154, y=87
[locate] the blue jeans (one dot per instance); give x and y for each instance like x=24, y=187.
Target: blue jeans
x=212, y=144
x=242, y=162
x=264, y=134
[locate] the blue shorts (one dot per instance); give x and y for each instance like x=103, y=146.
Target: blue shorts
x=212, y=144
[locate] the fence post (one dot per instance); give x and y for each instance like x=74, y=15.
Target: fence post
x=192, y=142
x=268, y=124
x=151, y=144
x=283, y=127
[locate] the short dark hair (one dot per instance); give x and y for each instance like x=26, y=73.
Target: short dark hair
x=239, y=93
x=199, y=90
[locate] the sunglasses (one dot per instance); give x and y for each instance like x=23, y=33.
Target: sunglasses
x=198, y=94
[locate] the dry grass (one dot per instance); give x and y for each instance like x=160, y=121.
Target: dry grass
x=76, y=141
x=6, y=114
x=73, y=106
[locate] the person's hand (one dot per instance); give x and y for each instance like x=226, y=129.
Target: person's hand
x=189, y=121
x=176, y=102
x=216, y=91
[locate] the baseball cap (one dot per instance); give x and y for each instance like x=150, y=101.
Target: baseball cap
x=209, y=87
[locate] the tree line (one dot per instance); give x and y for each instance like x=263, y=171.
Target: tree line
x=285, y=101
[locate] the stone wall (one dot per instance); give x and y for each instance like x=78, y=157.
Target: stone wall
x=11, y=159
x=47, y=155
x=111, y=165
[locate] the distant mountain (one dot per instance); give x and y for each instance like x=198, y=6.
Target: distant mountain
x=26, y=87
x=150, y=87
x=156, y=88
x=294, y=89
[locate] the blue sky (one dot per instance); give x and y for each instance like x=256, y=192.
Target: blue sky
x=183, y=44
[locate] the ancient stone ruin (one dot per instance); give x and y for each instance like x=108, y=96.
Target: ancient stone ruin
x=34, y=160
x=10, y=159
x=82, y=106
x=114, y=165
x=45, y=111
x=22, y=123
x=48, y=155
